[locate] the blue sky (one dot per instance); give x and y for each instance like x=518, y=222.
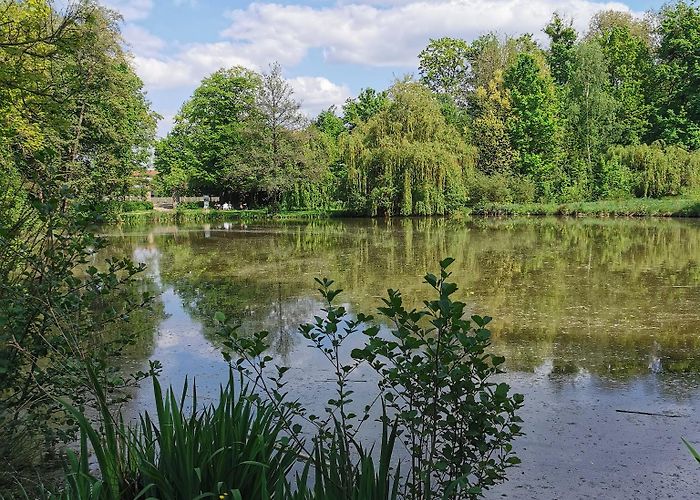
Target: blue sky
x=329, y=49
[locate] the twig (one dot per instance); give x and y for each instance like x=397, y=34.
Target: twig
x=650, y=413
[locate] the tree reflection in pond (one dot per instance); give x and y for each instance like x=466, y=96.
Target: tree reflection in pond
x=592, y=316
x=612, y=297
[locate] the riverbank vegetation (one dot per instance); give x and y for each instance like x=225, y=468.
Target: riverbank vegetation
x=198, y=215
x=631, y=207
x=75, y=125
x=247, y=443
x=606, y=114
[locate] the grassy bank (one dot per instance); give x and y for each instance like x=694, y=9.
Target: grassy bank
x=200, y=215
x=635, y=207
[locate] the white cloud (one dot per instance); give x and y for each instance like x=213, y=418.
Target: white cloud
x=392, y=33
x=364, y=34
x=189, y=66
x=317, y=93
x=142, y=41
x=132, y=10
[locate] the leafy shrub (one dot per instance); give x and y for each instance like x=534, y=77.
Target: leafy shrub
x=500, y=188
x=434, y=383
x=658, y=170
x=522, y=189
x=434, y=373
x=612, y=179
x=490, y=189
x=111, y=211
x=546, y=175
x=577, y=184
x=134, y=206
x=57, y=318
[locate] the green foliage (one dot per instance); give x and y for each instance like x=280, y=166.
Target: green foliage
x=367, y=104
x=135, y=206
x=658, y=170
x=590, y=113
x=55, y=316
x=234, y=447
x=627, y=50
x=208, y=131
x=548, y=116
x=612, y=179
x=500, y=188
x=444, y=67
x=491, y=55
x=489, y=132
x=562, y=40
x=434, y=373
x=634, y=207
x=533, y=125
x=406, y=159
x=369, y=481
x=236, y=444
x=678, y=74
x=329, y=123
x=75, y=124
x=71, y=106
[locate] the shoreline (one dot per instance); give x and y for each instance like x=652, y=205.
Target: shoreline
x=635, y=207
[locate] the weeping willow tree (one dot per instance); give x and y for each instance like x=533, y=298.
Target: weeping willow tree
x=407, y=160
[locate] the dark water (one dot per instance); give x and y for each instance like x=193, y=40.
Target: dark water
x=593, y=316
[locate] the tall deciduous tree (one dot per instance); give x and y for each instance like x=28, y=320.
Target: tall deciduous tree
x=209, y=130
x=367, y=104
x=279, y=109
x=678, y=99
x=533, y=124
x=491, y=54
x=626, y=44
x=590, y=109
x=445, y=69
x=70, y=99
x=490, y=128
x=562, y=40
x=330, y=123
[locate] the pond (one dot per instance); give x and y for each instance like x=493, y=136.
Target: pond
x=593, y=316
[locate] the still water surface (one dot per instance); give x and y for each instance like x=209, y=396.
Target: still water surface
x=593, y=316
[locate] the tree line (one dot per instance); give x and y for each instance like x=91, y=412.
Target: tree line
x=610, y=113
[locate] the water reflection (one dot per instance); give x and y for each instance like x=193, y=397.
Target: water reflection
x=614, y=298
x=592, y=315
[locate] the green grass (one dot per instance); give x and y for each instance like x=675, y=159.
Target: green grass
x=635, y=207
x=679, y=206
x=197, y=215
